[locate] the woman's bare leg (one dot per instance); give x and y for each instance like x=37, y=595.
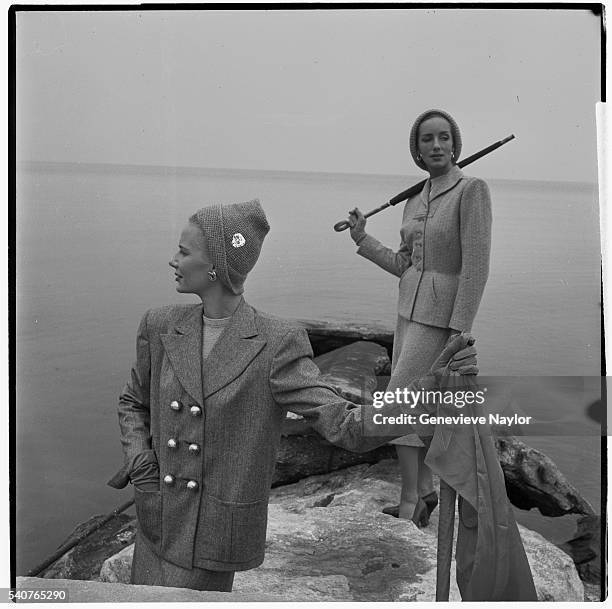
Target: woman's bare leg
x=425, y=478
x=408, y=460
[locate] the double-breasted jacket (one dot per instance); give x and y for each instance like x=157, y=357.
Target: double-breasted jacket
x=214, y=429
x=443, y=259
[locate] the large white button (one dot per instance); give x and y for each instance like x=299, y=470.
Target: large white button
x=171, y=443
x=168, y=479
x=192, y=485
x=194, y=449
x=196, y=411
x=175, y=405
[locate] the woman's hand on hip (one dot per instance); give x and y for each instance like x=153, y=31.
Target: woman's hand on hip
x=357, y=222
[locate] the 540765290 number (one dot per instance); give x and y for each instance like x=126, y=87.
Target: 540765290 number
x=37, y=595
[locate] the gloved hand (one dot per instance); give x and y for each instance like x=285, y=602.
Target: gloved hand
x=458, y=356
x=357, y=222
x=145, y=471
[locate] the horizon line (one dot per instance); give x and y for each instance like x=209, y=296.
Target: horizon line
x=196, y=168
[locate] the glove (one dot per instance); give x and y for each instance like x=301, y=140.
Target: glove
x=357, y=222
x=458, y=357
x=145, y=471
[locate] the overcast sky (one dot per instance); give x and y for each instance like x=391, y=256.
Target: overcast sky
x=316, y=90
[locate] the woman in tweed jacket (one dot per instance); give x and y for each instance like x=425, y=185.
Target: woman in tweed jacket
x=201, y=414
x=443, y=265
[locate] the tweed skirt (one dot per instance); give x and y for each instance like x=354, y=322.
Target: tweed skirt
x=149, y=569
x=415, y=348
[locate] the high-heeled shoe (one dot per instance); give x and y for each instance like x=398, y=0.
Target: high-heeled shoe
x=431, y=501
x=421, y=514
x=391, y=510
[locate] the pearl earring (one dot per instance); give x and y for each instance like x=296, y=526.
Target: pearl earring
x=212, y=275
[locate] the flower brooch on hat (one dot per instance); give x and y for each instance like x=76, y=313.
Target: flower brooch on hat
x=238, y=240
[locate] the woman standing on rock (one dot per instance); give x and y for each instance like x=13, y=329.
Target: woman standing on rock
x=443, y=265
x=201, y=415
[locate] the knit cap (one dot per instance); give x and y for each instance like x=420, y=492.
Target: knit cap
x=234, y=235
x=414, y=150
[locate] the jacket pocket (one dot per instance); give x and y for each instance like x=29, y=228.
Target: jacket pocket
x=444, y=289
x=213, y=534
x=249, y=524
x=148, y=511
x=231, y=532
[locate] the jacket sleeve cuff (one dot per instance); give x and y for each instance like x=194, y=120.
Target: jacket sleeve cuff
x=361, y=238
x=368, y=247
x=460, y=325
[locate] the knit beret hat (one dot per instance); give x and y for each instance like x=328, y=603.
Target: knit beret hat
x=414, y=150
x=234, y=235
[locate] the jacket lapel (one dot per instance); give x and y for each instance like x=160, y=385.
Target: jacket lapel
x=233, y=352
x=444, y=183
x=184, y=349
x=423, y=201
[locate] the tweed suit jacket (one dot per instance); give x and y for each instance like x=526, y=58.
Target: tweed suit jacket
x=443, y=258
x=259, y=368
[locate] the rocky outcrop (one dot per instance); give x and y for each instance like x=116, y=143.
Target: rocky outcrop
x=328, y=540
x=533, y=480
x=585, y=548
x=303, y=453
x=96, y=592
x=118, y=567
x=326, y=336
x=84, y=560
x=352, y=371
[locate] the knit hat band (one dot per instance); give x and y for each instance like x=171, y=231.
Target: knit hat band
x=414, y=148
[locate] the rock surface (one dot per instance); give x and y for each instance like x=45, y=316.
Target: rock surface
x=328, y=540
x=352, y=370
x=301, y=456
x=84, y=560
x=326, y=336
x=117, y=568
x=533, y=480
x=585, y=548
x=302, y=452
x=96, y=592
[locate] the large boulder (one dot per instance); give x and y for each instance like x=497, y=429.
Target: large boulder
x=352, y=370
x=329, y=335
x=328, y=540
x=533, y=480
